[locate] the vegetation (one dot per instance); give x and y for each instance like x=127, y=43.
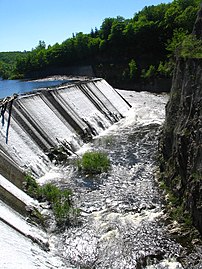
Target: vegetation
x=8, y=62
x=175, y=207
x=94, y=163
x=60, y=200
x=191, y=47
x=120, y=49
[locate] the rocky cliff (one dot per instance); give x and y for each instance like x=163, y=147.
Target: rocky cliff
x=182, y=138
x=181, y=147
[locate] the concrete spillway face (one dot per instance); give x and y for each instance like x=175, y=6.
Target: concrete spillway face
x=64, y=115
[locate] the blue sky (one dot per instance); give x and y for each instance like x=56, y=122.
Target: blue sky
x=25, y=22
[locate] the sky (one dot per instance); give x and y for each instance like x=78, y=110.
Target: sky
x=24, y=22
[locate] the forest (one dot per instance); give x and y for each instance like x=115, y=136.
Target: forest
x=140, y=48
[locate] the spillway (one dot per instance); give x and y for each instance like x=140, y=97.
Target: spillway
x=33, y=125
x=62, y=116
x=122, y=222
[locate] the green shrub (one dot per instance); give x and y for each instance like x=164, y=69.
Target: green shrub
x=50, y=192
x=60, y=200
x=173, y=45
x=150, y=73
x=94, y=162
x=191, y=47
x=165, y=69
x=133, y=69
x=31, y=187
x=186, y=46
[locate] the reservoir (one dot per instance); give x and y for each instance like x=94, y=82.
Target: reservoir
x=10, y=87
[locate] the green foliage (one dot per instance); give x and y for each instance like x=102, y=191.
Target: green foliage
x=41, y=45
x=94, y=163
x=184, y=45
x=133, y=69
x=179, y=214
x=145, y=38
x=165, y=69
x=51, y=192
x=32, y=188
x=8, y=63
x=175, y=207
x=191, y=47
x=60, y=200
x=150, y=73
x=177, y=39
x=105, y=28
x=196, y=177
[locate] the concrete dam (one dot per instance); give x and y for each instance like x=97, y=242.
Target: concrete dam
x=64, y=116
x=122, y=217
x=38, y=125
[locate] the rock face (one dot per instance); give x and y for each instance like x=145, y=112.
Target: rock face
x=181, y=144
x=182, y=138
x=198, y=24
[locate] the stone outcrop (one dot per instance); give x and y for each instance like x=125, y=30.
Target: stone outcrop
x=182, y=138
x=181, y=147
x=198, y=25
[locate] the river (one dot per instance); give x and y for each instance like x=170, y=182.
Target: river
x=122, y=212
x=10, y=87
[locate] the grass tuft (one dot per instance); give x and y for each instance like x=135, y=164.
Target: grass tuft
x=60, y=200
x=94, y=162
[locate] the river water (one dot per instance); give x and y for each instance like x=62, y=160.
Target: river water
x=121, y=224
x=10, y=87
x=122, y=210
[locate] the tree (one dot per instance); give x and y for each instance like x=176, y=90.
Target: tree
x=105, y=28
x=116, y=33
x=41, y=45
x=150, y=73
x=178, y=37
x=132, y=69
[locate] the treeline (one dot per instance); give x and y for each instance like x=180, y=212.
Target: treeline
x=8, y=63
x=122, y=49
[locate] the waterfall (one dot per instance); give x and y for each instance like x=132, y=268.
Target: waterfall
x=67, y=115
x=122, y=220
x=33, y=124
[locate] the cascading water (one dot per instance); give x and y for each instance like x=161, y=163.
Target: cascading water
x=17, y=249
x=122, y=212
x=121, y=223
x=68, y=115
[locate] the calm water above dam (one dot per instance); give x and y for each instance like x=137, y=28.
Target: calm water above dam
x=10, y=87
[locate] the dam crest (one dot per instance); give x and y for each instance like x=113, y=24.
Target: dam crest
x=62, y=118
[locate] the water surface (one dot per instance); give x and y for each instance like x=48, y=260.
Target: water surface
x=10, y=87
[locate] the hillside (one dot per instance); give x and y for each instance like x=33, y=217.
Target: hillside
x=123, y=51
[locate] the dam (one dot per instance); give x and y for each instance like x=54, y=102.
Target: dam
x=65, y=116
x=122, y=215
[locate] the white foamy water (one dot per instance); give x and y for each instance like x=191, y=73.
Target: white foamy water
x=40, y=121
x=7, y=185
x=121, y=211
x=166, y=264
x=146, y=107
x=68, y=114
x=17, y=251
